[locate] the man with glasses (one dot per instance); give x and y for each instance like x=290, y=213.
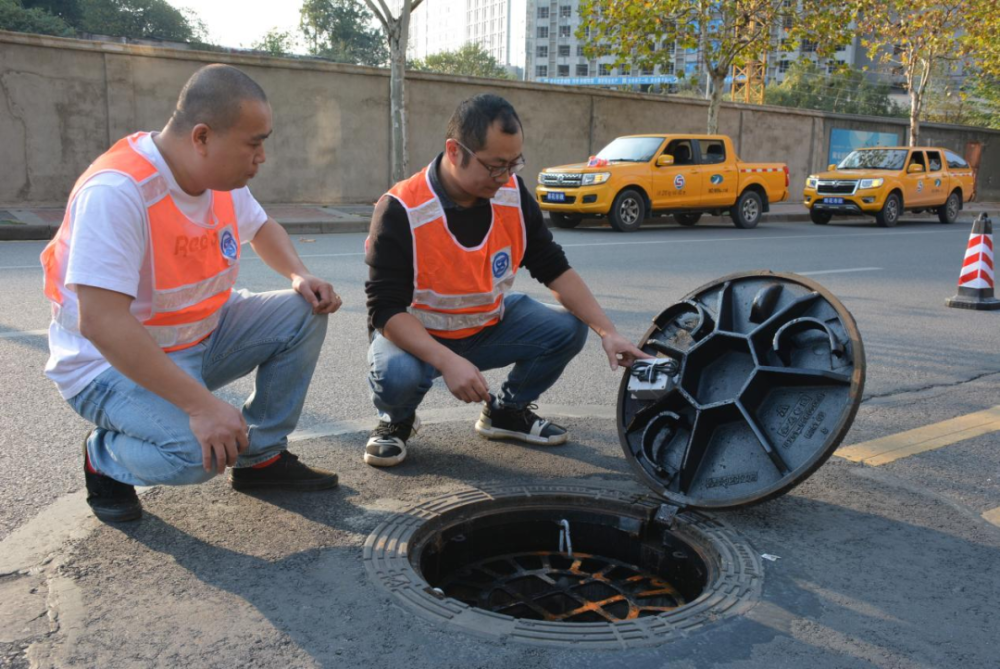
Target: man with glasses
x=443, y=251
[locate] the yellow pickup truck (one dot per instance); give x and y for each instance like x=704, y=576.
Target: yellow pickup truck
x=639, y=176
x=886, y=181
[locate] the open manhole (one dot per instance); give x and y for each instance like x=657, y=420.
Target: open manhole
x=564, y=566
x=751, y=384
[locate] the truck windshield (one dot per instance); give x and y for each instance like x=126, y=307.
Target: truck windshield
x=874, y=159
x=631, y=149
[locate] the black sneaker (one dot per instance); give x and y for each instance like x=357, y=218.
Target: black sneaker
x=498, y=422
x=111, y=501
x=286, y=472
x=387, y=443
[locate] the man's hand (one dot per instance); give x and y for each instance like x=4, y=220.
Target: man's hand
x=318, y=293
x=221, y=431
x=465, y=381
x=620, y=351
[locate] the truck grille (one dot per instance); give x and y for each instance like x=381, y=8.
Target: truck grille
x=836, y=187
x=561, y=179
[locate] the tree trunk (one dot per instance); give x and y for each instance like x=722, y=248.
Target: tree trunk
x=718, y=90
x=915, y=101
x=397, y=104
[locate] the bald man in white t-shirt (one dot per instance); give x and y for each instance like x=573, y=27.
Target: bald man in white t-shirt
x=146, y=320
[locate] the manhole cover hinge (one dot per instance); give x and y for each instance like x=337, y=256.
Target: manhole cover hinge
x=666, y=515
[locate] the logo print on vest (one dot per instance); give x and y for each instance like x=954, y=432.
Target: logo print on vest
x=679, y=181
x=501, y=263
x=228, y=245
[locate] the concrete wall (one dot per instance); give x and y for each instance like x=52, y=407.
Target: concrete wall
x=63, y=102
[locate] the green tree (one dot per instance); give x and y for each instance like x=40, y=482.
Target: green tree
x=67, y=10
x=645, y=33
x=914, y=38
x=470, y=60
x=17, y=18
x=341, y=31
x=845, y=91
x=139, y=19
x=275, y=42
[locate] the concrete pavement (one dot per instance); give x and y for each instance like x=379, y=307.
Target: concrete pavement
x=890, y=566
x=41, y=222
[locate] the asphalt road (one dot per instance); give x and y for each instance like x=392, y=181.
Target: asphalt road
x=925, y=363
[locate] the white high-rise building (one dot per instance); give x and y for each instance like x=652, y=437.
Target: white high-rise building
x=537, y=41
x=496, y=25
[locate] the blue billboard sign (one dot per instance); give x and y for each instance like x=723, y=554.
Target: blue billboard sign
x=610, y=81
x=842, y=142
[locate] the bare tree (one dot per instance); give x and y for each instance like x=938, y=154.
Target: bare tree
x=397, y=30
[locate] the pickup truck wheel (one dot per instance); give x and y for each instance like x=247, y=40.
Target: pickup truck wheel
x=889, y=215
x=564, y=220
x=687, y=219
x=948, y=212
x=746, y=213
x=628, y=211
x=820, y=217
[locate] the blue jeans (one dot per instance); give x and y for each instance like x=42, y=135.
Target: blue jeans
x=142, y=439
x=537, y=339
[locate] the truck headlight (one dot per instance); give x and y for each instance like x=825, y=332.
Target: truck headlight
x=811, y=181
x=596, y=178
x=870, y=183
x=540, y=178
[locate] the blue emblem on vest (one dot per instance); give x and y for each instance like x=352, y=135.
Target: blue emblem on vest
x=228, y=246
x=501, y=263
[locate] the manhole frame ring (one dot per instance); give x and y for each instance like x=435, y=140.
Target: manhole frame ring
x=735, y=579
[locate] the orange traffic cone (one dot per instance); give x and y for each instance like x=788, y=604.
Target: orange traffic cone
x=975, y=285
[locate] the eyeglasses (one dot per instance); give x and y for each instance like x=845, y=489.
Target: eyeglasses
x=496, y=171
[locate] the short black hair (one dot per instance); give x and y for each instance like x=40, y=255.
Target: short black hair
x=473, y=118
x=213, y=96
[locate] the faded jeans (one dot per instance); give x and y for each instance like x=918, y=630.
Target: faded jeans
x=142, y=439
x=539, y=340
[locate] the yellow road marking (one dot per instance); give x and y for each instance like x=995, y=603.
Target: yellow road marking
x=895, y=446
x=993, y=516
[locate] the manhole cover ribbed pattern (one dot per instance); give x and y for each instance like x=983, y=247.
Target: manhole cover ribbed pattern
x=561, y=587
x=734, y=585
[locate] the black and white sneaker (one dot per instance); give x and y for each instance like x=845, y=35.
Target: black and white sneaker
x=387, y=443
x=499, y=422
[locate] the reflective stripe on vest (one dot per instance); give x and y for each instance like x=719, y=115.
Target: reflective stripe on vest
x=194, y=266
x=458, y=291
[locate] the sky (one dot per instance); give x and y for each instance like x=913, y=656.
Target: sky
x=239, y=23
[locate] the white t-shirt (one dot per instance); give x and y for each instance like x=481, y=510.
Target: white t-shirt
x=109, y=248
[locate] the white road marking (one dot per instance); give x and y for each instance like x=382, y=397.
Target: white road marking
x=25, y=333
x=842, y=271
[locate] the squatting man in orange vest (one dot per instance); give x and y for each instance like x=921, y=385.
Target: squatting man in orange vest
x=443, y=250
x=145, y=319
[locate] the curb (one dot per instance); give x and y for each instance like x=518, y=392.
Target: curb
x=34, y=232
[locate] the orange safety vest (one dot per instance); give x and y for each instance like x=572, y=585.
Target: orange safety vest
x=194, y=266
x=458, y=291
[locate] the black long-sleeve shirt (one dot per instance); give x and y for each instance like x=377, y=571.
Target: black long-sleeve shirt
x=389, y=252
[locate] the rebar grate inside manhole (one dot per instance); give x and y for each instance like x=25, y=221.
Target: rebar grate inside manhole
x=553, y=586
x=564, y=565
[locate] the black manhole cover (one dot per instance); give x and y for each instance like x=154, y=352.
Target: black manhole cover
x=763, y=375
x=752, y=382
x=489, y=562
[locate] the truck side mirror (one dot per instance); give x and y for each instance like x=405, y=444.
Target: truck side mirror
x=914, y=168
x=664, y=160
x=831, y=167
